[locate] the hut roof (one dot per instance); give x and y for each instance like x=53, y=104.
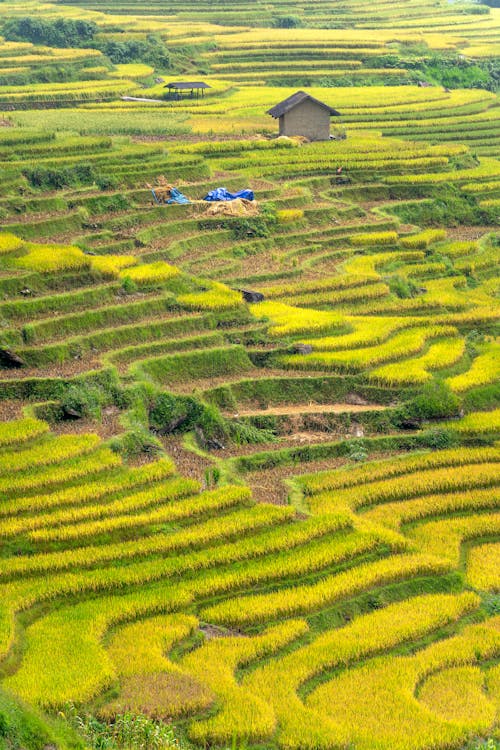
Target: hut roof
x=187, y=85
x=292, y=101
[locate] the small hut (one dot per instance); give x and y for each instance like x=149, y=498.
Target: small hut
x=302, y=114
x=191, y=89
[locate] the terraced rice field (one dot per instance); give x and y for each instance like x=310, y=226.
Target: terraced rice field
x=273, y=523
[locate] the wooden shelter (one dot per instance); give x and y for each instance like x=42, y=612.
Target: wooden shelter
x=176, y=89
x=303, y=114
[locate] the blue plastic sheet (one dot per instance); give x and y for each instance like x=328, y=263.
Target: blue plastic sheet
x=221, y=194
x=177, y=197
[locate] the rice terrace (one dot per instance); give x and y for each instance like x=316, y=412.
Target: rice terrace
x=249, y=375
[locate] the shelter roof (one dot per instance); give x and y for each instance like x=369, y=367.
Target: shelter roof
x=187, y=85
x=294, y=100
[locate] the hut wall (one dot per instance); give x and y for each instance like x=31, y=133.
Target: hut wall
x=307, y=119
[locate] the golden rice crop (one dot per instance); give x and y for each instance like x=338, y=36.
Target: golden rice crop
x=342, y=296
x=457, y=694
x=398, y=465
x=217, y=297
x=49, y=258
x=476, y=423
x=9, y=242
x=21, y=430
x=132, y=70
x=375, y=704
x=74, y=528
x=369, y=264
x=445, y=537
x=399, y=346
x=49, y=451
x=111, y=265
x=197, y=535
x=65, y=659
x=215, y=664
x=367, y=330
x=92, y=489
x=287, y=320
x=484, y=369
x=161, y=492
x=483, y=567
x=488, y=168
x=245, y=610
x=490, y=203
x=374, y=238
x=459, y=248
x=442, y=354
x=288, y=215
x=315, y=285
x=397, y=513
x=295, y=562
x=442, y=479
x=481, y=187
x=147, y=272
x=24, y=593
x=95, y=462
x=423, y=239
x=140, y=647
x=168, y=489
x=278, y=680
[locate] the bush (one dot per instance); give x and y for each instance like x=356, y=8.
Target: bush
x=436, y=401
x=135, y=441
x=169, y=413
x=287, y=22
x=47, y=178
x=402, y=287
x=21, y=728
x=438, y=439
x=128, y=731
x=357, y=450
x=63, y=32
x=82, y=401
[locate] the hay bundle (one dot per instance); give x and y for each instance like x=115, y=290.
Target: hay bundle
x=237, y=207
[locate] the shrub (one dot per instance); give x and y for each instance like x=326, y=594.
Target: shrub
x=435, y=401
x=49, y=178
x=82, y=401
x=438, y=439
x=126, y=732
x=287, y=22
x=402, y=287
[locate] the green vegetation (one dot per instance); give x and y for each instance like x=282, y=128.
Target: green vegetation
x=249, y=458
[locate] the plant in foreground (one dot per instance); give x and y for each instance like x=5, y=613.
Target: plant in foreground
x=128, y=731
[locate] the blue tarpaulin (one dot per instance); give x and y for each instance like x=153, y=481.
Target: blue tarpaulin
x=177, y=197
x=221, y=194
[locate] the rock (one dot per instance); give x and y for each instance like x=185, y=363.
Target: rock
x=69, y=413
x=251, y=297
x=357, y=430
x=172, y=425
x=303, y=349
x=355, y=399
x=207, y=442
x=10, y=359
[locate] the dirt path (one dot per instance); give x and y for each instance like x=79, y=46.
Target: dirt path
x=309, y=409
